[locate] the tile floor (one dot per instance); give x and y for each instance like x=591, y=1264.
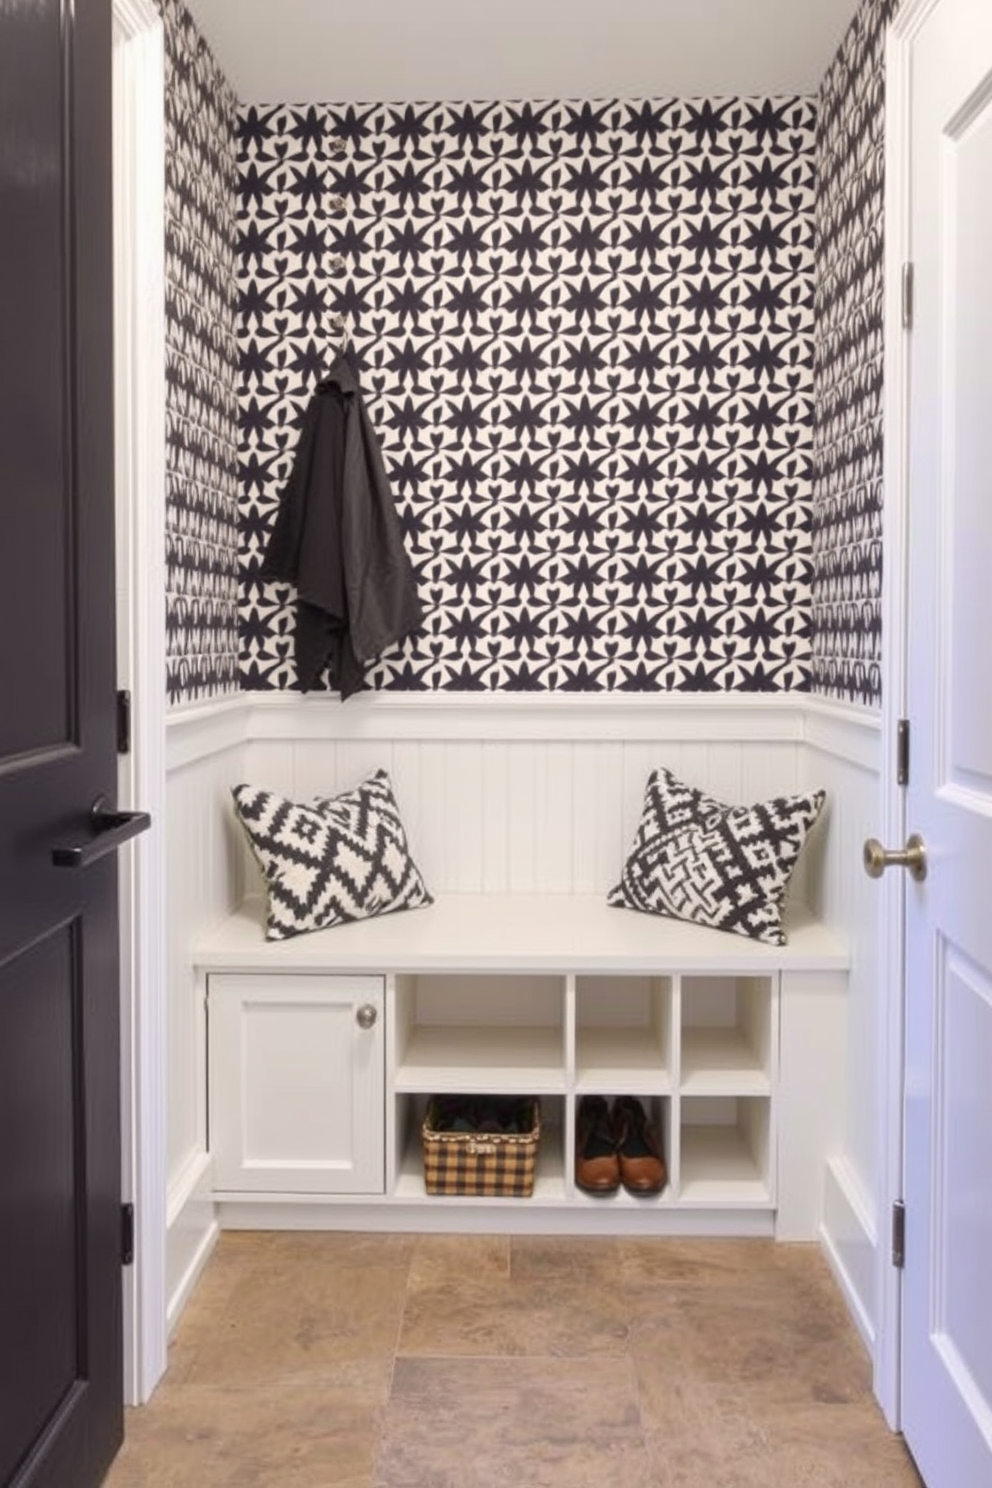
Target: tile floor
x=395, y=1361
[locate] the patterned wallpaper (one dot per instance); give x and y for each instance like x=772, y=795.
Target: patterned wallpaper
x=586, y=340
x=201, y=368
x=847, y=440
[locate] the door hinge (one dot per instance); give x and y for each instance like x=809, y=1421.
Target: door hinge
x=899, y=1234
x=123, y=721
x=902, y=752
x=127, y=1234
x=907, y=296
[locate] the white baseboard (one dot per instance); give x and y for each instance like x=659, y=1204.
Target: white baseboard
x=515, y=1217
x=182, y=1289
x=191, y=1232
x=849, y=1240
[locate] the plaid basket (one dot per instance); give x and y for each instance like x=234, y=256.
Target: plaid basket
x=481, y=1164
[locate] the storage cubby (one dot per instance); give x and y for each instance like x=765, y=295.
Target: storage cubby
x=659, y=1113
x=408, y=1179
x=725, y=1151
x=623, y=1035
x=728, y=1043
x=484, y=1034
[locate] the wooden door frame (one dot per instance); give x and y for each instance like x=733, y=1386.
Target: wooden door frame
x=139, y=399
x=901, y=37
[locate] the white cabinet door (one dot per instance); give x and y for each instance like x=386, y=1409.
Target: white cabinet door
x=296, y=1084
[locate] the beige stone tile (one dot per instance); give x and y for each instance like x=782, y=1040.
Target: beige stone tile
x=314, y=1433
x=466, y=1314
x=587, y=1260
x=669, y=1261
x=764, y=1345
x=291, y=1320
x=538, y=1362
x=339, y=1248
x=437, y=1258
x=501, y=1423
x=738, y=1264
x=846, y=1446
x=235, y=1256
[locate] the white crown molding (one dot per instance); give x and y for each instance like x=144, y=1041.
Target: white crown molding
x=132, y=18
x=909, y=19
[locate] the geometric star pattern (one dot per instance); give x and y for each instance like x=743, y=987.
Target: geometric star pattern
x=847, y=448
x=201, y=537
x=585, y=339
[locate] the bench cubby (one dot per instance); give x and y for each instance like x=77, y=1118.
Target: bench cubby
x=553, y=996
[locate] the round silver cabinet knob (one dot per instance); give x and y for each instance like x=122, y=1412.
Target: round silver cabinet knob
x=366, y=1015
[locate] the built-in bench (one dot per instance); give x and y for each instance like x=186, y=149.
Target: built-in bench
x=323, y=1050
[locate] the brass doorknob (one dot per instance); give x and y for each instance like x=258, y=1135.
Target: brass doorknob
x=366, y=1016
x=912, y=857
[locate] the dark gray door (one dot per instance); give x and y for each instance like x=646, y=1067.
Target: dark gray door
x=60, y=1281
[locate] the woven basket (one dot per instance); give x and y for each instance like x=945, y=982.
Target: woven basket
x=480, y=1164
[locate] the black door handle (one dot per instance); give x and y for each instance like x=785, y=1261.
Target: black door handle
x=109, y=830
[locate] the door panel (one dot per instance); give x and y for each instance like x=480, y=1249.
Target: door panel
x=38, y=1282
x=60, y=1281
x=33, y=444
x=947, y=1312
x=967, y=167
x=962, y=1318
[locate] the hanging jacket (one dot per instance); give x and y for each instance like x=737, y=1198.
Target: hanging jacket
x=338, y=539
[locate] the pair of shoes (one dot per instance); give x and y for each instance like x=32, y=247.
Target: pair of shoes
x=618, y=1147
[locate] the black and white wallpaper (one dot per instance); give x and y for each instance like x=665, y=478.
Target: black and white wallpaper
x=847, y=442
x=201, y=368
x=585, y=335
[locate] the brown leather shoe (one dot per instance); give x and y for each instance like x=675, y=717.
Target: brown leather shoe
x=597, y=1170
x=642, y=1165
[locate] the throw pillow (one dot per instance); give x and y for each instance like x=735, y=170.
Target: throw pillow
x=339, y=859
x=728, y=867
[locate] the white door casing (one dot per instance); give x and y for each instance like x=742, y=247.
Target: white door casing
x=946, y=1326
x=139, y=399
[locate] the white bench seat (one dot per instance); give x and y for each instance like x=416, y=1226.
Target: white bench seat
x=517, y=933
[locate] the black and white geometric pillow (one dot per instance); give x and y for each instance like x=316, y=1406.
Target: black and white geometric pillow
x=339, y=859
x=728, y=867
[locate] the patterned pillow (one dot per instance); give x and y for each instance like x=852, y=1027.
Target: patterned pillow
x=725, y=866
x=339, y=859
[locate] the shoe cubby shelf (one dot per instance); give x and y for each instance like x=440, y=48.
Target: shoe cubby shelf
x=320, y=1071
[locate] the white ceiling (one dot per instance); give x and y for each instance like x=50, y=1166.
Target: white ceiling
x=338, y=51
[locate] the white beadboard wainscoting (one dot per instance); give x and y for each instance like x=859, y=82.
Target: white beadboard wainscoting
x=206, y=751
x=517, y=794
x=842, y=753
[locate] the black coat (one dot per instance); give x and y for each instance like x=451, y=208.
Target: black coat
x=338, y=539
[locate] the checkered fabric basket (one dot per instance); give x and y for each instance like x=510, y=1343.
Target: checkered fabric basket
x=480, y=1164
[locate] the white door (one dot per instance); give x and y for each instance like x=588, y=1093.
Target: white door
x=947, y=1297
